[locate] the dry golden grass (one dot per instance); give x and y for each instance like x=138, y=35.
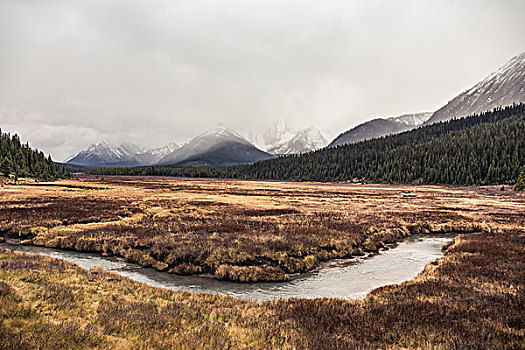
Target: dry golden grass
x=243, y=230
x=472, y=298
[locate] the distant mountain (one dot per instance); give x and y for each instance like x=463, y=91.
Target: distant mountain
x=215, y=148
x=280, y=138
x=502, y=88
x=103, y=154
x=484, y=149
x=153, y=156
x=380, y=127
x=304, y=141
x=278, y=133
x=414, y=119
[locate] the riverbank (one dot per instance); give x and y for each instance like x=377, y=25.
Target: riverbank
x=349, y=279
x=244, y=231
x=471, y=298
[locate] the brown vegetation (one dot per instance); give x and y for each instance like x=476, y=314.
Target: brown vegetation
x=472, y=298
x=243, y=230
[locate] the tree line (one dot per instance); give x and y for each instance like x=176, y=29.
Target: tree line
x=482, y=149
x=21, y=160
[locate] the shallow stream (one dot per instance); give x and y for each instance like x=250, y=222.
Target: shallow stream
x=350, y=279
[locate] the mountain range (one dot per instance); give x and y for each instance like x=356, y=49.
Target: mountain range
x=215, y=148
x=103, y=154
x=222, y=147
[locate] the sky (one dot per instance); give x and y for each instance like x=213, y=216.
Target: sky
x=75, y=72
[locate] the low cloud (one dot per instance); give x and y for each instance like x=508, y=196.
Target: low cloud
x=154, y=72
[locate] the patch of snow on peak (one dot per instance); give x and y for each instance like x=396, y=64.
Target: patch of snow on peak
x=504, y=87
x=414, y=119
x=304, y=141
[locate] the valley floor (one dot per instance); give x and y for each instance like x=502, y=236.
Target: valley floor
x=472, y=298
x=243, y=230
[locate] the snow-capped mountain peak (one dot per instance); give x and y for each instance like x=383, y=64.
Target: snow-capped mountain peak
x=103, y=153
x=280, y=138
x=304, y=141
x=106, y=150
x=220, y=132
x=218, y=146
x=501, y=88
x=162, y=151
x=414, y=119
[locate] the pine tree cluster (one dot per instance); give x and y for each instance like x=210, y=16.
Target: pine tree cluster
x=22, y=161
x=175, y=171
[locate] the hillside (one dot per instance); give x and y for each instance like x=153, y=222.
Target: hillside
x=24, y=161
x=217, y=147
x=482, y=149
x=478, y=150
x=504, y=87
x=380, y=127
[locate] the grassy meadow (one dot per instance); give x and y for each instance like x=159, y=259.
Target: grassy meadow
x=472, y=298
x=243, y=230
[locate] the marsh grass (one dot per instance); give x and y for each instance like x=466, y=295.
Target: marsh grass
x=244, y=230
x=472, y=298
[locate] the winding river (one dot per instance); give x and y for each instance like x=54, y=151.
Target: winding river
x=350, y=279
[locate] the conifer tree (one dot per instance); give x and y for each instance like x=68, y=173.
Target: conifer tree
x=5, y=166
x=520, y=183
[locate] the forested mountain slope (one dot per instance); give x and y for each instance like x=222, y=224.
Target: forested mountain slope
x=479, y=150
x=482, y=149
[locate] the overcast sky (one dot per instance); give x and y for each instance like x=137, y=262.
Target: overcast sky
x=74, y=72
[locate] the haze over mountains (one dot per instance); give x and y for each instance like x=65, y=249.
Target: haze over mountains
x=154, y=155
x=222, y=147
x=281, y=138
x=217, y=147
x=303, y=141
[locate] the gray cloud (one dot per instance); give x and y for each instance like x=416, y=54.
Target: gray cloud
x=74, y=72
